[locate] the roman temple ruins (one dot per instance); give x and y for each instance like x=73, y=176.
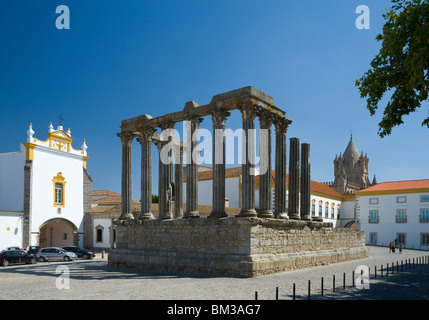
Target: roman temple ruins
x=270, y=238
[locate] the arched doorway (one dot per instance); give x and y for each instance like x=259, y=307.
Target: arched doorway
x=57, y=232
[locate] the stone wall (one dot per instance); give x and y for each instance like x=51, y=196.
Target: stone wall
x=244, y=247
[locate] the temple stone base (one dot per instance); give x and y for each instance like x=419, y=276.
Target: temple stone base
x=240, y=247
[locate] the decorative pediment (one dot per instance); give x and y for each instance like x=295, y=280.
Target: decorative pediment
x=60, y=135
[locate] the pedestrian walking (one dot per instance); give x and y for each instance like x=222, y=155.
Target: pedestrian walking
x=393, y=247
x=400, y=247
x=390, y=247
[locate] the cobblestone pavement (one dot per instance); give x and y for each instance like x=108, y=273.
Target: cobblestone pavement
x=93, y=280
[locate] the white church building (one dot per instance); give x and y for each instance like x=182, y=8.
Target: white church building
x=45, y=189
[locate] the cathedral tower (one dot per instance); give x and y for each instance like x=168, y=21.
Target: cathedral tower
x=351, y=170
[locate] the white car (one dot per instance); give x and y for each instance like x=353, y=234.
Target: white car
x=55, y=254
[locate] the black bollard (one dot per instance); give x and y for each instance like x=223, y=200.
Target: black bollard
x=294, y=291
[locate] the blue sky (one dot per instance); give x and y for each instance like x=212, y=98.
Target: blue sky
x=121, y=59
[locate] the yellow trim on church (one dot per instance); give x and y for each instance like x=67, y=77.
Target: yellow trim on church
x=29, y=150
x=85, y=159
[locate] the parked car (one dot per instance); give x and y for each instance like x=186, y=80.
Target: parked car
x=14, y=248
x=16, y=256
x=55, y=254
x=80, y=252
x=32, y=249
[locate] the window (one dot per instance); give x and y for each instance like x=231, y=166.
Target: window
x=99, y=234
x=59, y=185
x=401, y=199
x=402, y=238
x=58, y=193
x=373, y=200
x=326, y=210
x=65, y=236
x=373, y=216
x=424, y=198
x=338, y=211
x=320, y=208
x=424, y=239
x=401, y=216
x=424, y=215
x=313, y=208
x=373, y=238
x=333, y=211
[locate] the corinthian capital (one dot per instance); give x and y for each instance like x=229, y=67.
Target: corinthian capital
x=281, y=125
x=219, y=117
x=249, y=112
x=195, y=123
x=146, y=134
x=266, y=118
x=126, y=137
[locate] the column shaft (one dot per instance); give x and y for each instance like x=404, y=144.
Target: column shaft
x=305, y=182
x=160, y=181
x=248, y=164
x=280, y=170
x=294, y=179
x=192, y=169
x=146, y=173
x=165, y=177
x=126, y=184
x=219, y=117
x=265, y=120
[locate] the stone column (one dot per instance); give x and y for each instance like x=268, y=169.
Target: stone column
x=126, y=186
x=305, y=182
x=146, y=173
x=248, y=171
x=178, y=184
x=192, y=169
x=294, y=179
x=219, y=117
x=166, y=158
x=265, y=121
x=160, y=182
x=281, y=126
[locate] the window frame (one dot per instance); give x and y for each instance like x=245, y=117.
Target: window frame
x=403, y=218
x=373, y=201
x=60, y=181
x=370, y=217
x=401, y=197
x=426, y=218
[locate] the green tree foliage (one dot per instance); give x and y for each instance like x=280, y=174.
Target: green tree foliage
x=402, y=65
x=154, y=198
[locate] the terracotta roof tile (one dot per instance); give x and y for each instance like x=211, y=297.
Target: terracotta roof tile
x=98, y=193
x=398, y=185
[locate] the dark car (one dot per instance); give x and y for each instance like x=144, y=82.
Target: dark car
x=33, y=249
x=16, y=256
x=81, y=253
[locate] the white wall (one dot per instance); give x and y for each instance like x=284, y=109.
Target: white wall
x=387, y=228
x=106, y=225
x=12, y=180
x=10, y=229
x=47, y=164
